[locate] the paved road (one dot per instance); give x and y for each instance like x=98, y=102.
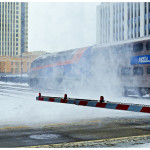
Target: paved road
x=73, y=132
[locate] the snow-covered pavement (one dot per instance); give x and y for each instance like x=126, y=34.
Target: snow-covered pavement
x=18, y=106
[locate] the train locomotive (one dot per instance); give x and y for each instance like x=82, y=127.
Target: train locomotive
x=125, y=66
x=56, y=68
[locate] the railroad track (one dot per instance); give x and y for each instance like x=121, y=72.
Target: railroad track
x=23, y=89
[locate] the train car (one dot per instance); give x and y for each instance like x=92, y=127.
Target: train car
x=125, y=65
x=90, y=67
x=135, y=74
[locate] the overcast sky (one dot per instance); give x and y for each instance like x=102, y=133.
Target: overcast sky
x=61, y=26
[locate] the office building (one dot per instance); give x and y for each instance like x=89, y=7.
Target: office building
x=122, y=21
x=13, y=28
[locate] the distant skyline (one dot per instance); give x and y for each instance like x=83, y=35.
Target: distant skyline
x=61, y=26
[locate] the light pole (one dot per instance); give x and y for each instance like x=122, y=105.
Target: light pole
x=21, y=63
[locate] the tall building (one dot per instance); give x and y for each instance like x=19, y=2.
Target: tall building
x=122, y=21
x=13, y=28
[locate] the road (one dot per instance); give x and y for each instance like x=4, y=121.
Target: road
x=28, y=123
x=93, y=131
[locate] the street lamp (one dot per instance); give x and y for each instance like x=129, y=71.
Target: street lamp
x=21, y=64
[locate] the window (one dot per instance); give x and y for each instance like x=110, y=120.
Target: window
x=16, y=70
x=125, y=71
x=148, y=70
x=138, y=47
x=145, y=7
x=138, y=9
x=137, y=71
x=17, y=63
x=148, y=46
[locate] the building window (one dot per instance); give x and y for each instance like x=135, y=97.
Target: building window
x=16, y=63
x=138, y=34
x=144, y=32
x=131, y=10
x=138, y=9
x=145, y=7
x=16, y=70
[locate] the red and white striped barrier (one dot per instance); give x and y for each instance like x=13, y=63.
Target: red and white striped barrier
x=96, y=103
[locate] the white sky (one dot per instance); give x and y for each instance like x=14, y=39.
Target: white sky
x=61, y=26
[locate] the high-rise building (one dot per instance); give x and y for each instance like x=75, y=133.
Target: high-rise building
x=122, y=21
x=13, y=28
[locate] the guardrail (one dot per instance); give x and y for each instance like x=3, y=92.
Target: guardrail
x=101, y=103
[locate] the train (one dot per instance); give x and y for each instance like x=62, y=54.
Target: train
x=124, y=66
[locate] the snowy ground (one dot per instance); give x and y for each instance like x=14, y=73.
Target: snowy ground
x=19, y=107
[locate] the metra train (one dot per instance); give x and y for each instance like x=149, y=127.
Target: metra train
x=125, y=65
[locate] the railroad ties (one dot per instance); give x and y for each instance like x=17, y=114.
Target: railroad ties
x=96, y=103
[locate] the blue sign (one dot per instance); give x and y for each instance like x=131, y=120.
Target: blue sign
x=144, y=59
